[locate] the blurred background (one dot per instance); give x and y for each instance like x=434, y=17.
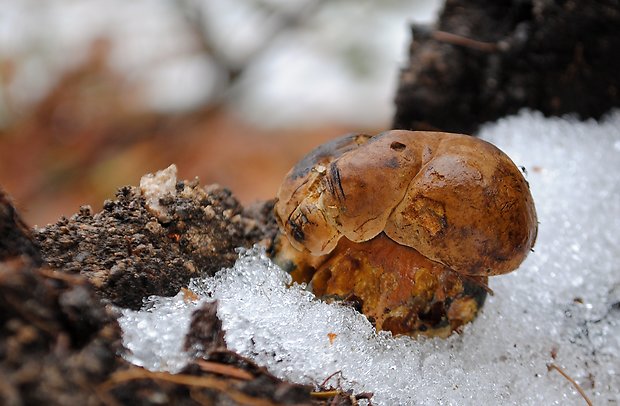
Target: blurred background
x=94, y=94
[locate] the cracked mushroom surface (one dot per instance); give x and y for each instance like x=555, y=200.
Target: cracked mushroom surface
x=407, y=226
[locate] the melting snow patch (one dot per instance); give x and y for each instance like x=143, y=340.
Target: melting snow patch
x=562, y=306
x=155, y=335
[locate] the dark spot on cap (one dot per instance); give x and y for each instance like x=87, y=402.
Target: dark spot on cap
x=392, y=163
x=296, y=231
x=397, y=146
x=327, y=152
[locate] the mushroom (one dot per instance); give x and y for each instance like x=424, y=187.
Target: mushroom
x=406, y=225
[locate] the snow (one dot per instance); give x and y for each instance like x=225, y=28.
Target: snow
x=159, y=348
x=562, y=306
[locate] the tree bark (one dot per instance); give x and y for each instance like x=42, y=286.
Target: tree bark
x=486, y=59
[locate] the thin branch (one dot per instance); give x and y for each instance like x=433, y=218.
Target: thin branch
x=223, y=369
x=454, y=39
x=551, y=366
x=284, y=22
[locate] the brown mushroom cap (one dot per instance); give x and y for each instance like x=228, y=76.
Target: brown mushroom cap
x=456, y=199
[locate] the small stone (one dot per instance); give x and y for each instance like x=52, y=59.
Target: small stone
x=155, y=187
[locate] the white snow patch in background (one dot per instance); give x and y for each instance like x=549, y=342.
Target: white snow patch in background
x=339, y=63
x=341, y=67
x=564, y=300
x=180, y=84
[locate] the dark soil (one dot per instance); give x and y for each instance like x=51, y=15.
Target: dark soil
x=15, y=236
x=486, y=59
x=205, y=333
x=60, y=344
x=57, y=341
x=127, y=253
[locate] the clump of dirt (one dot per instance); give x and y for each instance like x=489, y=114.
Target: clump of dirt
x=15, y=236
x=57, y=341
x=205, y=334
x=130, y=251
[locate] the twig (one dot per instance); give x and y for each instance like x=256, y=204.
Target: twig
x=330, y=377
x=337, y=393
x=284, y=21
x=365, y=395
x=551, y=366
x=325, y=394
x=61, y=276
x=454, y=39
x=223, y=369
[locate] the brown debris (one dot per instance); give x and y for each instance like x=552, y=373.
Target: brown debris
x=194, y=386
x=338, y=396
x=60, y=346
x=205, y=341
x=57, y=341
x=579, y=389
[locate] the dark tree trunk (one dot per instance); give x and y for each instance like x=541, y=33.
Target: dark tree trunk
x=487, y=58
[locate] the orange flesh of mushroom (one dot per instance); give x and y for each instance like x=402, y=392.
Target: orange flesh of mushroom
x=397, y=288
x=407, y=224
